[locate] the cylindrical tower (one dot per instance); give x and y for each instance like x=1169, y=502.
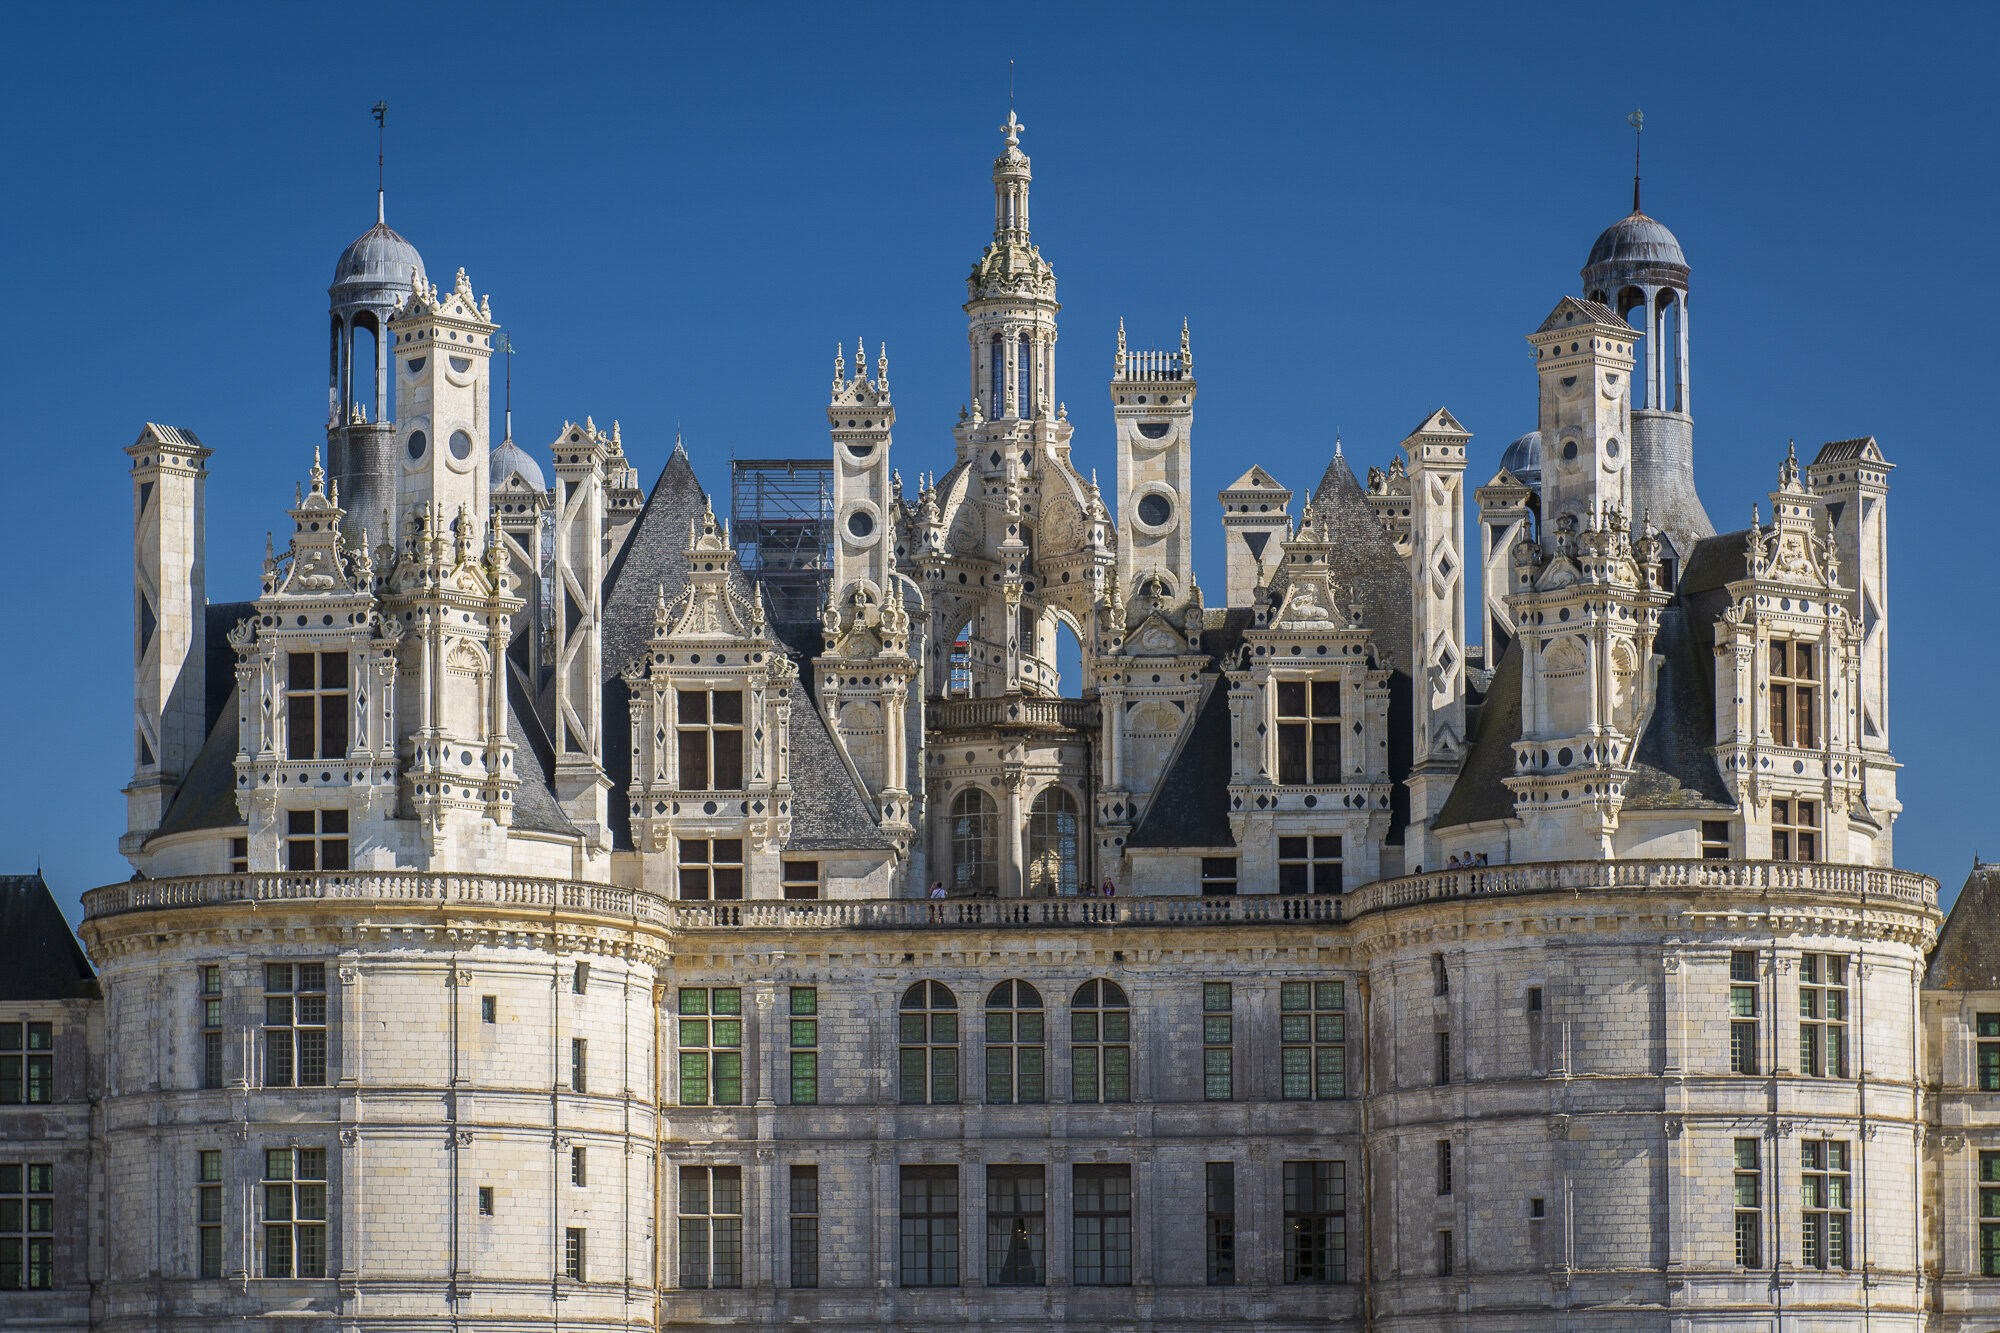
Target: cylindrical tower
x=375, y=275
x=1637, y=269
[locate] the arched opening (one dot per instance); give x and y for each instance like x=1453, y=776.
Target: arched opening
x=1070, y=681
x=364, y=381
x=1024, y=379
x=1667, y=324
x=997, y=398
x=1632, y=300
x=1016, y=1067
x=975, y=843
x=1054, y=847
x=927, y=1045
x=336, y=347
x=1100, y=1053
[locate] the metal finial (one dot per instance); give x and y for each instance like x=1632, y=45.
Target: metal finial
x=381, y=146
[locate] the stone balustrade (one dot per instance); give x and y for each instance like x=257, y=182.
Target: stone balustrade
x=1011, y=710
x=1843, y=884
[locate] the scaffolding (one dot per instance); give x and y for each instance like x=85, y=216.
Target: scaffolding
x=781, y=510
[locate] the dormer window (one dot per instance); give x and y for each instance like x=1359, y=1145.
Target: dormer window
x=1308, y=731
x=1794, y=693
x=711, y=740
x=316, y=708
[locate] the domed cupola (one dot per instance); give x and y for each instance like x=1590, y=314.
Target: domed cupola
x=1523, y=458
x=379, y=263
x=509, y=459
x=1634, y=251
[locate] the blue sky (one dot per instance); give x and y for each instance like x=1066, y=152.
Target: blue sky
x=679, y=209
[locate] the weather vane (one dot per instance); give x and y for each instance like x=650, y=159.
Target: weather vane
x=1637, y=120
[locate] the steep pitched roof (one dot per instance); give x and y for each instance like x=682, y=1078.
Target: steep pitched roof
x=1967, y=956
x=1850, y=451
x=1369, y=570
x=829, y=810
x=536, y=809
x=1572, y=308
x=39, y=956
x=1480, y=793
x=1191, y=806
x=207, y=795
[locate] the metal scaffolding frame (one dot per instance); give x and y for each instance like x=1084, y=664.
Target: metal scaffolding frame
x=781, y=511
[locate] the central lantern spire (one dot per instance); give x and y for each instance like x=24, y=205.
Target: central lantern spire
x=1012, y=302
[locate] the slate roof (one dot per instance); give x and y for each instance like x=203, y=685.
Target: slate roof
x=1369, y=570
x=1672, y=765
x=1479, y=793
x=39, y=956
x=1845, y=451
x=1967, y=956
x=1191, y=806
x=207, y=795
x=536, y=809
x=829, y=810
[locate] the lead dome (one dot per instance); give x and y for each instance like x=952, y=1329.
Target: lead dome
x=378, y=258
x=1636, y=249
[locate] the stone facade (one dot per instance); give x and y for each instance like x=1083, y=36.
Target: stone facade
x=535, y=943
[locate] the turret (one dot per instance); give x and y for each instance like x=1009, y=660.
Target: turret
x=1152, y=404
x=375, y=277
x=1584, y=355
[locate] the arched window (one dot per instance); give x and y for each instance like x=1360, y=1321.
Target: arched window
x=1100, y=1053
x=928, y=1036
x=996, y=405
x=1015, y=1060
x=975, y=842
x=1024, y=404
x=1053, y=845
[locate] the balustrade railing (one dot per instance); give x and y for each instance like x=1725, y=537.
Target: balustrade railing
x=1860, y=885
x=1011, y=710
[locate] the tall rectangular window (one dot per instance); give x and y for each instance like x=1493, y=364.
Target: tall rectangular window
x=1315, y=1222
x=1101, y=1226
x=208, y=1213
x=1445, y=1259
x=1218, y=876
x=315, y=705
x=209, y=976
x=1309, y=865
x=1444, y=1166
x=1313, y=1025
x=579, y=979
x=1743, y=1012
x=1309, y=731
x=1218, y=1042
x=711, y=1220
x=710, y=733
x=1794, y=696
x=804, y=1039
x=1823, y=1015
x=1715, y=840
x=1824, y=1189
x=579, y=1060
x=711, y=868
x=295, y=1212
x=1986, y=1057
x=573, y=1255
x=27, y=1063
x=239, y=856
x=1794, y=830
x=1989, y=1213
x=711, y=1042
x=929, y=1226
x=1441, y=1075
x=1221, y=1224
x=577, y=1174
x=1016, y=1226
x=1749, y=1204
x=294, y=1025
x=316, y=840
x=805, y=1226
x=27, y=1226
